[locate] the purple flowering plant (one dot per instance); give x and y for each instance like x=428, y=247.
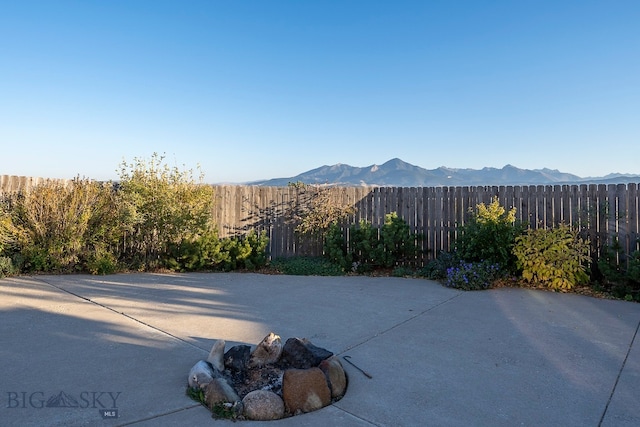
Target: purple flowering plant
x=472, y=275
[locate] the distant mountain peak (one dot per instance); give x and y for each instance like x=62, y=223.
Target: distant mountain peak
x=398, y=173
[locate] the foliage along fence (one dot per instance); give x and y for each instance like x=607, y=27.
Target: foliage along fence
x=601, y=212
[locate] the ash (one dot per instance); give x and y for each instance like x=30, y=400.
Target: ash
x=267, y=377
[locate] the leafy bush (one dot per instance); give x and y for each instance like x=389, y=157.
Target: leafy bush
x=359, y=254
x=335, y=248
x=556, y=257
x=259, y=243
x=437, y=268
x=402, y=271
x=633, y=269
x=306, y=266
x=6, y=225
x=369, y=248
x=159, y=207
x=246, y=252
x=155, y=217
x=471, y=276
x=489, y=235
x=6, y=267
x=56, y=227
x=397, y=242
x=209, y=252
x=364, y=242
x=102, y=262
x=609, y=263
x=621, y=274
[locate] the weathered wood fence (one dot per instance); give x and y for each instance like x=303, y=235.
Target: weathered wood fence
x=601, y=212
x=13, y=184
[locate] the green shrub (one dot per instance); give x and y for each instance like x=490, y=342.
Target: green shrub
x=335, y=248
x=369, y=248
x=609, y=263
x=402, y=271
x=159, y=207
x=621, y=274
x=246, y=252
x=197, y=253
x=489, y=235
x=209, y=252
x=359, y=253
x=471, y=276
x=397, y=242
x=102, y=262
x=306, y=266
x=55, y=227
x=259, y=243
x=363, y=246
x=633, y=269
x=6, y=267
x=437, y=268
x=155, y=217
x=556, y=257
x=6, y=225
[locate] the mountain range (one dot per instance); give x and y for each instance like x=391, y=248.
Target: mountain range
x=397, y=173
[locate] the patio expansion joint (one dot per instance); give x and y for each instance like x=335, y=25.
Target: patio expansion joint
x=119, y=313
x=397, y=325
x=335, y=405
x=615, y=384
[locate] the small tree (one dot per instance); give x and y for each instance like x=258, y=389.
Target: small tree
x=315, y=210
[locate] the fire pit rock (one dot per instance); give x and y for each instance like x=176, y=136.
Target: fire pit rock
x=270, y=382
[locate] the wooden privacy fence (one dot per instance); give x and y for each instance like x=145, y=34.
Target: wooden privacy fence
x=14, y=184
x=601, y=212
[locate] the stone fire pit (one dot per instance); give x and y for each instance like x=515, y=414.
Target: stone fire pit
x=270, y=382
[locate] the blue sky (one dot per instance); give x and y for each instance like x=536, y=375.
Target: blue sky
x=253, y=90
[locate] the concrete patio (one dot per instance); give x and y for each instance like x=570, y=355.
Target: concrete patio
x=121, y=346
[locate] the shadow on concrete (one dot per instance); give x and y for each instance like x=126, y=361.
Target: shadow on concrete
x=437, y=356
